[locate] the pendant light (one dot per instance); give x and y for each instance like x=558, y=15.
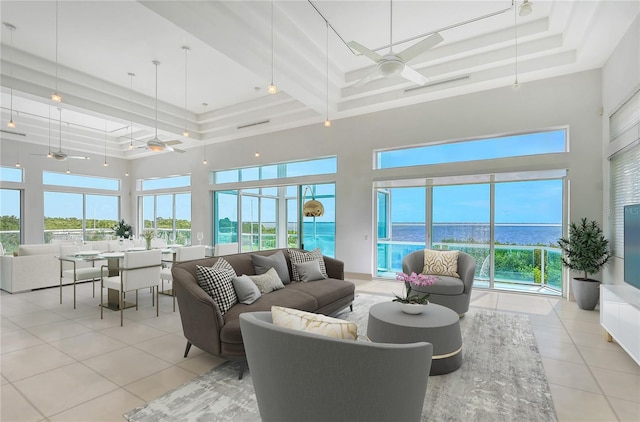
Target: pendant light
x=327, y=122
x=516, y=84
x=526, y=8
x=204, y=161
x=11, y=124
x=186, y=53
x=105, y=145
x=55, y=97
x=272, y=89
x=131, y=76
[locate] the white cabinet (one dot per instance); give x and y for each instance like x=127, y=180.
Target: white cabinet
x=620, y=316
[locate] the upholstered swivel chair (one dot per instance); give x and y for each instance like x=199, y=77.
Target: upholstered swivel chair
x=452, y=292
x=300, y=376
x=138, y=270
x=186, y=253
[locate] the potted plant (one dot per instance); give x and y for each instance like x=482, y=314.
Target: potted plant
x=122, y=229
x=413, y=304
x=586, y=250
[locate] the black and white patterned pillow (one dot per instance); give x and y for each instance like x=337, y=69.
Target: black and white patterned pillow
x=217, y=282
x=298, y=257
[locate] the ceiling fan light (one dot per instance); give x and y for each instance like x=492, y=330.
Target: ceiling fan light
x=525, y=8
x=11, y=124
x=272, y=89
x=56, y=98
x=156, y=148
x=390, y=67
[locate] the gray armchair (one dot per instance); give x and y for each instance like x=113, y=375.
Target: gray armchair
x=299, y=376
x=454, y=293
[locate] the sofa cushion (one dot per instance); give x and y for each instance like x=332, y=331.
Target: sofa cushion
x=268, y=281
x=309, y=271
x=313, y=323
x=262, y=264
x=441, y=263
x=298, y=257
x=217, y=282
x=325, y=291
x=246, y=289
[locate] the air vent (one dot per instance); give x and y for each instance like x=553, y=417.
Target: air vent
x=253, y=124
x=445, y=81
x=13, y=133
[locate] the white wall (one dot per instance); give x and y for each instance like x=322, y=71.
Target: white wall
x=573, y=101
x=620, y=78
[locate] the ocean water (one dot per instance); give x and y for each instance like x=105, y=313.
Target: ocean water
x=513, y=234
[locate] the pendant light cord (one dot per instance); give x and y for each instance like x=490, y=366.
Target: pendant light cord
x=390, y=25
x=131, y=75
x=327, y=69
x=60, y=131
x=56, y=46
x=186, y=54
x=11, y=29
x=271, y=42
x=156, y=63
x=515, y=29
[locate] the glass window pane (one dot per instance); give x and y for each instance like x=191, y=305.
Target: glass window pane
x=306, y=168
x=10, y=220
x=101, y=215
x=183, y=218
x=62, y=216
x=79, y=181
x=252, y=173
x=166, y=182
x=482, y=149
x=10, y=174
x=164, y=218
x=292, y=223
x=268, y=172
x=250, y=224
x=270, y=191
x=226, y=215
x=148, y=213
x=320, y=232
x=227, y=176
x=268, y=223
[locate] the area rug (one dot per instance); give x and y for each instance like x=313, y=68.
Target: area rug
x=501, y=379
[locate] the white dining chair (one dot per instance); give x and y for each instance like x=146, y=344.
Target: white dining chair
x=186, y=253
x=138, y=270
x=221, y=249
x=78, y=270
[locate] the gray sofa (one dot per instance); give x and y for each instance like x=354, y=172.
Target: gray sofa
x=204, y=325
x=452, y=292
x=300, y=376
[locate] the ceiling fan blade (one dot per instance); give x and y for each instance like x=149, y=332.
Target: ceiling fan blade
x=174, y=142
x=78, y=157
x=364, y=51
x=366, y=79
x=178, y=150
x=420, y=47
x=413, y=76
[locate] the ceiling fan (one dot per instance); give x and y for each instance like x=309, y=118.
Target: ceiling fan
x=156, y=144
x=394, y=64
x=61, y=155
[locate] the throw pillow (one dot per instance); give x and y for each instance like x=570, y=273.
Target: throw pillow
x=246, y=289
x=441, y=263
x=262, y=264
x=268, y=281
x=217, y=282
x=298, y=257
x=309, y=271
x=313, y=323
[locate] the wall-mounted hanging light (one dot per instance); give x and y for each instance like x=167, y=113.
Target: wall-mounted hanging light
x=311, y=208
x=105, y=144
x=204, y=160
x=327, y=122
x=526, y=8
x=55, y=97
x=272, y=89
x=131, y=76
x=186, y=53
x=11, y=123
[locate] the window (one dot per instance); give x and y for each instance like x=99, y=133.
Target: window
x=165, y=183
x=77, y=216
x=10, y=220
x=482, y=149
x=168, y=214
x=274, y=171
x=79, y=181
x=625, y=190
x=10, y=174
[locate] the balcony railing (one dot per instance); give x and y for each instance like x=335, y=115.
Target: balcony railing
x=517, y=267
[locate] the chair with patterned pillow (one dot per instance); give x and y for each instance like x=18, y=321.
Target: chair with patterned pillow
x=455, y=271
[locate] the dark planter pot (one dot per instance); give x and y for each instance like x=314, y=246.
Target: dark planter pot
x=586, y=292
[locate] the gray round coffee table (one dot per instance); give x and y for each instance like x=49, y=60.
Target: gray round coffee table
x=437, y=325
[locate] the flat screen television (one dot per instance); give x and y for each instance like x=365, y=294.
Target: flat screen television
x=632, y=245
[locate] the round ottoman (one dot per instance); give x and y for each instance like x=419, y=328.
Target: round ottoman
x=437, y=325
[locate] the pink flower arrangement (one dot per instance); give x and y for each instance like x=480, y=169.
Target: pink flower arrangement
x=415, y=280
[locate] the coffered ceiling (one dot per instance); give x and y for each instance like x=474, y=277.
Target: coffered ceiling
x=231, y=61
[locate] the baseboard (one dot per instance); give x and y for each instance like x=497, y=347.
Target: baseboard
x=357, y=276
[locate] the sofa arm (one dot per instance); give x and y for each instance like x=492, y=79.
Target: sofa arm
x=200, y=315
x=335, y=268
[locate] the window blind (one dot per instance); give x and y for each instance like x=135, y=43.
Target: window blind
x=625, y=190
x=625, y=118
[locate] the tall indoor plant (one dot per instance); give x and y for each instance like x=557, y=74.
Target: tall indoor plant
x=587, y=251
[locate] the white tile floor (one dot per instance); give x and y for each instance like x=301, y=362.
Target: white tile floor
x=61, y=364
